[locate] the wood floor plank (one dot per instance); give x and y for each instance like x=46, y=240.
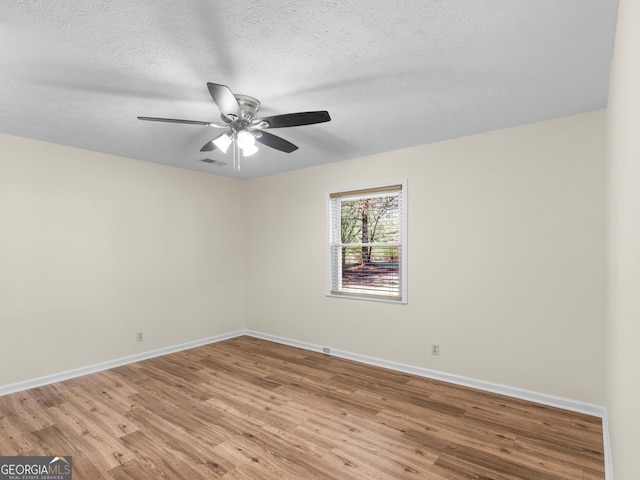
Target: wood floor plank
x=14, y=440
x=249, y=409
x=25, y=408
x=164, y=460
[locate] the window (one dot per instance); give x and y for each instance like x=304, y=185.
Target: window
x=367, y=243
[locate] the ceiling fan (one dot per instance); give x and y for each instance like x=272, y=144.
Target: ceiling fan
x=242, y=127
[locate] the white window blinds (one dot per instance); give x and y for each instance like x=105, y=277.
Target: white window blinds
x=367, y=243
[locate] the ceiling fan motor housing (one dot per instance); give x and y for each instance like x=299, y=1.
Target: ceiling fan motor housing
x=249, y=107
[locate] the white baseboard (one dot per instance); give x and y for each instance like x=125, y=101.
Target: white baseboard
x=606, y=439
x=544, y=399
x=541, y=398
x=98, y=367
x=531, y=396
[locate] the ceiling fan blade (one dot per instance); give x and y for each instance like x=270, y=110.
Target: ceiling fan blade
x=210, y=146
x=276, y=142
x=225, y=100
x=177, y=120
x=295, y=119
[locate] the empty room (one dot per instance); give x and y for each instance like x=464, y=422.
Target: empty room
x=319, y=240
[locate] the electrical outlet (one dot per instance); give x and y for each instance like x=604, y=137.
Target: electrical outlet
x=435, y=349
x=140, y=336
x=326, y=350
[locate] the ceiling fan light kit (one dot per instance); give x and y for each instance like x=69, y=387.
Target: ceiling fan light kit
x=243, y=128
x=222, y=143
x=247, y=142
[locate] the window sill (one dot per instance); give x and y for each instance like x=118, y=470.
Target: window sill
x=368, y=298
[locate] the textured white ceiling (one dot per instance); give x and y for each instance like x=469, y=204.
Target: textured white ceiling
x=392, y=74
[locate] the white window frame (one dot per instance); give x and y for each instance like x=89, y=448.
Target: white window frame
x=331, y=234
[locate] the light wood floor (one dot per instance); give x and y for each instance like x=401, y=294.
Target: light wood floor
x=250, y=409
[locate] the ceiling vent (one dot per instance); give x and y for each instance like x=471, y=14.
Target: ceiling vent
x=211, y=161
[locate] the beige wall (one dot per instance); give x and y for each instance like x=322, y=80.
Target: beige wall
x=506, y=258
x=94, y=248
x=623, y=369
